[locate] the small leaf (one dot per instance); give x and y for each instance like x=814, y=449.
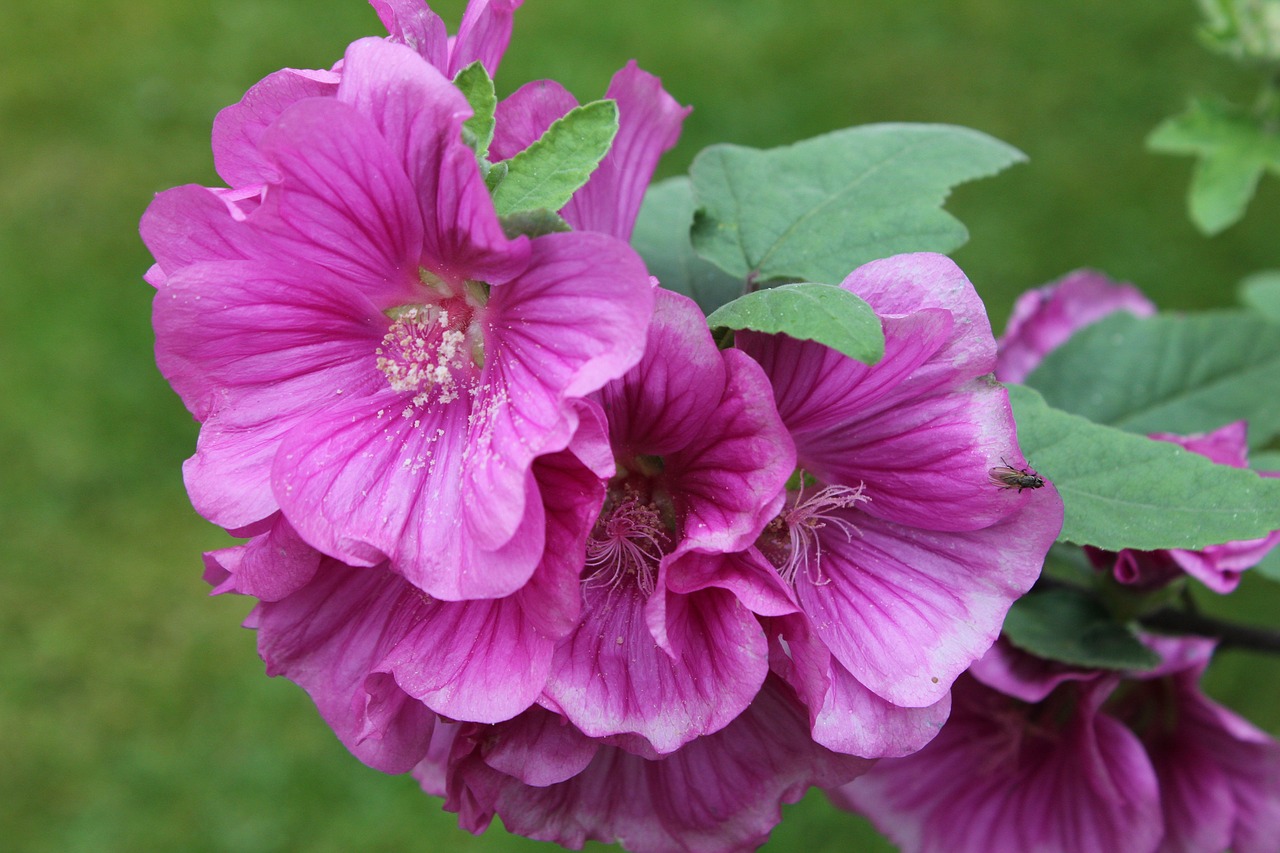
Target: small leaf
x=808, y=312
x=1121, y=490
x=1234, y=148
x=1260, y=292
x=548, y=172
x=533, y=223
x=661, y=236
x=815, y=210
x=1070, y=626
x=474, y=82
x=1179, y=374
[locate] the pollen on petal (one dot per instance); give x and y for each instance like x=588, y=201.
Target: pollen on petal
x=424, y=352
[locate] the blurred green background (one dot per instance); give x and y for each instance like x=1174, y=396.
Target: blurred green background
x=134, y=714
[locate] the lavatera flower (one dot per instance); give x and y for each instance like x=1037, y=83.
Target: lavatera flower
x=901, y=551
x=368, y=353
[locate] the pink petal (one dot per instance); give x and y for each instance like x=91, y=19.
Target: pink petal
x=1045, y=318
x=343, y=201
x=189, y=224
x=483, y=35
x=610, y=677
x=270, y=566
x=907, y=610
x=649, y=122
x=412, y=23
x=238, y=129
x=328, y=638
x=523, y=116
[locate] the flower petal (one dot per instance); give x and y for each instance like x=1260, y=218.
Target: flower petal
x=412, y=23
x=907, y=610
x=649, y=122
x=483, y=35
x=523, y=116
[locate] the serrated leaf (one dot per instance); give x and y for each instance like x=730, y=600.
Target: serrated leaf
x=661, y=236
x=548, y=172
x=1234, y=148
x=1260, y=292
x=1122, y=490
x=533, y=223
x=1179, y=374
x=1068, y=625
x=476, y=85
x=809, y=312
x=815, y=210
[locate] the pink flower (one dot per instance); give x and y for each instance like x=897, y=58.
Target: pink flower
x=1043, y=319
x=1036, y=757
x=719, y=793
x=1217, y=566
x=669, y=648
x=368, y=353
x=901, y=553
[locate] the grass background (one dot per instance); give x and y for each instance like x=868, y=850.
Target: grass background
x=133, y=711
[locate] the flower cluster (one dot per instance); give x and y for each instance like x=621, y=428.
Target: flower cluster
x=515, y=521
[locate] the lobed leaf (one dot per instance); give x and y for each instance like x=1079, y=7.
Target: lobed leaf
x=809, y=312
x=815, y=210
x=1179, y=374
x=1122, y=490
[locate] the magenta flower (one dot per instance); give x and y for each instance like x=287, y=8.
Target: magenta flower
x=902, y=554
x=669, y=648
x=717, y=794
x=1217, y=566
x=1044, y=318
x=368, y=353
x=1038, y=756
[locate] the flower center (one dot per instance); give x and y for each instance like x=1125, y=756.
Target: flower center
x=627, y=543
x=431, y=351
x=791, y=541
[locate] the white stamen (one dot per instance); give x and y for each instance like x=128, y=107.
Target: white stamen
x=805, y=519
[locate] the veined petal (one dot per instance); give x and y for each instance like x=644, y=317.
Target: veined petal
x=270, y=566
x=192, y=224
x=649, y=122
x=845, y=716
x=483, y=35
x=328, y=637
x=343, y=201
x=907, y=610
x=238, y=129
x=610, y=677
x=412, y=23
x=367, y=484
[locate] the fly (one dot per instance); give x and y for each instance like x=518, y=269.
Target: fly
x=1007, y=477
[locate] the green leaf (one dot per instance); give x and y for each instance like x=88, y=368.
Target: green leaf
x=815, y=210
x=474, y=82
x=661, y=237
x=1269, y=568
x=1070, y=626
x=808, y=312
x=1265, y=461
x=1261, y=292
x=533, y=223
x=548, y=172
x=1234, y=148
x=1122, y=490
x=1179, y=374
